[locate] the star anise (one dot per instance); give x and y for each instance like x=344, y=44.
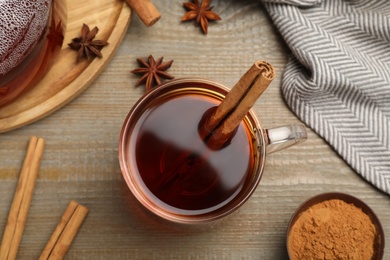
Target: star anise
x=85, y=45
x=56, y=34
x=201, y=13
x=152, y=71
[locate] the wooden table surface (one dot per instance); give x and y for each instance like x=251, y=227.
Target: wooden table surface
x=80, y=161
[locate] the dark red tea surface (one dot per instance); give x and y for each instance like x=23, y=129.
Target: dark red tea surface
x=175, y=167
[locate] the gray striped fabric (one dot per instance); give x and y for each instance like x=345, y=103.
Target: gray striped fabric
x=338, y=79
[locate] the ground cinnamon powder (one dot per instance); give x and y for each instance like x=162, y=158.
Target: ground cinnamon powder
x=332, y=229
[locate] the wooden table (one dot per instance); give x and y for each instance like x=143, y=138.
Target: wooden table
x=80, y=161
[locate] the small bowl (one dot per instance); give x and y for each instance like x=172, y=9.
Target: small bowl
x=379, y=242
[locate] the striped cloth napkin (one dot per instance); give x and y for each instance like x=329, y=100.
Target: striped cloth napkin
x=338, y=78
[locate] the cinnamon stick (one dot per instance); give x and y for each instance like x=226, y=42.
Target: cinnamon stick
x=218, y=126
x=146, y=11
x=21, y=203
x=65, y=232
x=222, y=123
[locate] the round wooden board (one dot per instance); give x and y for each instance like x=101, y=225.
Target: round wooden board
x=67, y=79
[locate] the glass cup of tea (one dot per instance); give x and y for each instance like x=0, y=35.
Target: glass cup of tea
x=173, y=173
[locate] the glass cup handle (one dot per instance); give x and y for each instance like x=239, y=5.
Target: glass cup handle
x=282, y=137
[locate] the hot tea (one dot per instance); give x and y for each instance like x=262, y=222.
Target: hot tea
x=173, y=164
x=37, y=60
x=192, y=151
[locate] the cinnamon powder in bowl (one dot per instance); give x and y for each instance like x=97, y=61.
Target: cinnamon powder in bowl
x=334, y=226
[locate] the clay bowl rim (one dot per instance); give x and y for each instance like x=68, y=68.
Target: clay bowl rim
x=380, y=237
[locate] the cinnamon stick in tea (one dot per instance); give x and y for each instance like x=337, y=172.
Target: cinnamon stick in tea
x=21, y=203
x=65, y=232
x=225, y=119
x=218, y=127
x=146, y=11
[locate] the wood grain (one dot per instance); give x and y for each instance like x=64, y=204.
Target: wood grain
x=81, y=155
